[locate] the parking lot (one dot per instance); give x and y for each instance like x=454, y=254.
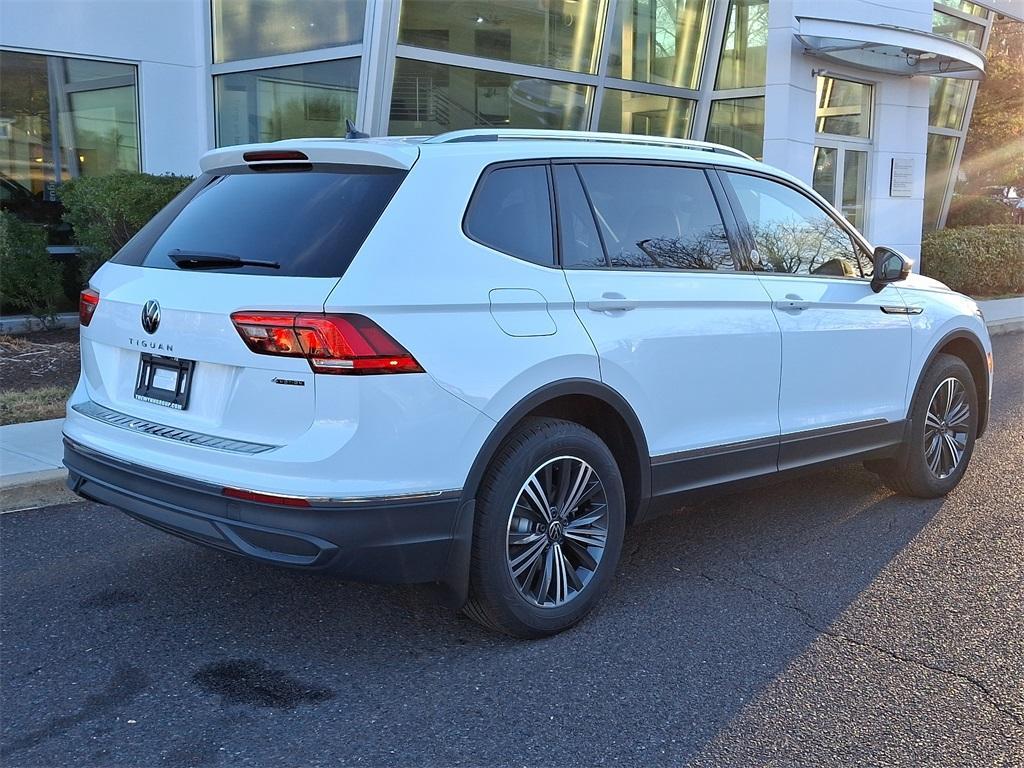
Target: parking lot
x=821, y=621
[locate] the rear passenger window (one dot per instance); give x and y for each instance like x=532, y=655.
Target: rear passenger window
x=657, y=217
x=581, y=245
x=511, y=212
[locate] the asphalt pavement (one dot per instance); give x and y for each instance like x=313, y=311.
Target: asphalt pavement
x=822, y=621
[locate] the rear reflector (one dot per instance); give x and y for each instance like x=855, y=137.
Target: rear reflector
x=88, y=300
x=274, y=155
x=265, y=498
x=336, y=344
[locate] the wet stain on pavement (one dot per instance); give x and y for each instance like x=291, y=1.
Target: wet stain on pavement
x=125, y=684
x=251, y=681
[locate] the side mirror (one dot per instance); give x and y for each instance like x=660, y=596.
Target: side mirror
x=890, y=267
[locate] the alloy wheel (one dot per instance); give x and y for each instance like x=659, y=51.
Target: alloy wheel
x=947, y=422
x=557, y=531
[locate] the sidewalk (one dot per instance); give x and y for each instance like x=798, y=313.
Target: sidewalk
x=31, y=468
x=1003, y=315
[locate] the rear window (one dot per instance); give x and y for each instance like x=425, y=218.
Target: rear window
x=310, y=222
x=511, y=212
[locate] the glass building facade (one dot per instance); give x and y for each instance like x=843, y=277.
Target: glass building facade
x=679, y=68
x=61, y=118
x=949, y=107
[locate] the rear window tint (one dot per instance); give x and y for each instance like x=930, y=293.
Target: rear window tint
x=511, y=212
x=311, y=222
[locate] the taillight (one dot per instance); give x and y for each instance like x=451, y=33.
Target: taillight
x=265, y=498
x=274, y=155
x=350, y=344
x=88, y=300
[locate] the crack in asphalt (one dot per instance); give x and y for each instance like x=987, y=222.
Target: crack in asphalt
x=812, y=623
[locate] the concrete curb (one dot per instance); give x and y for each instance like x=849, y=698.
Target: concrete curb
x=28, y=323
x=1005, y=326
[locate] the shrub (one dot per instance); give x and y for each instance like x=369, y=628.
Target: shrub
x=30, y=281
x=976, y=210
x=979, y=261
x=105, y=211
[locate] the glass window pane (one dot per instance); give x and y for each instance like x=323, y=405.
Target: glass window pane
x=245, y=29
x=957, y=29
x=967, y=7
x=660, y=41
x=305, y=100
x=948, y=102
x=646, y=114
x=745, y=45
x=824, y=178
x=511, y=212
x=433, y=98
x=105, y=128
x=738, y=123
x=92, y=131
x=84, y=70
x=26, y=151
x=939, y=165
x=657, y=217
x=561, y=34
x=311, y=223
x=844, y=107
x=792, y=233
x=855, y=184
x=581, y=245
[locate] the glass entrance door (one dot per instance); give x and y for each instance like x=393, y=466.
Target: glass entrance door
x=841, y=176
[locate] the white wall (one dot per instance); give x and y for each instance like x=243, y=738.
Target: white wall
x=901, y=110
x=164, y=38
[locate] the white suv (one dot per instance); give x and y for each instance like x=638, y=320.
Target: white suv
x=474, y=359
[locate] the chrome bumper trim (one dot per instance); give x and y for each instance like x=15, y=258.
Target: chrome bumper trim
x=134, y=424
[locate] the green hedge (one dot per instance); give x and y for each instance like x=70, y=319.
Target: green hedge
x=976, y=210
x=105, y=211
x=30, y=281
x=978, y=261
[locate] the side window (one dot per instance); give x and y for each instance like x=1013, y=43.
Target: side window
x=581, y=245
x=657, y=217
x=793, y=233
x=511, y=212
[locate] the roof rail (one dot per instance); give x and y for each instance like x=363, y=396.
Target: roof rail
x=499, y=134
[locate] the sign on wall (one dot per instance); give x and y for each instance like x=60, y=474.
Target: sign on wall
x=901, y=178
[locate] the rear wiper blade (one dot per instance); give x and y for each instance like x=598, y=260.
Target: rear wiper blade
x=206, y=260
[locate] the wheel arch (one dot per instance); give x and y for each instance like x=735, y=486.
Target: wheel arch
x=596, y=406
x=968, y=347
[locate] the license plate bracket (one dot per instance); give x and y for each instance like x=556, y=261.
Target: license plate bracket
x=164, y=380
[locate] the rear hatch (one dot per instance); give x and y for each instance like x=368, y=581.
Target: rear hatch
x=258, y=236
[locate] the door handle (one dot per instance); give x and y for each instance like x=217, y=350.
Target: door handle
x=612, y=302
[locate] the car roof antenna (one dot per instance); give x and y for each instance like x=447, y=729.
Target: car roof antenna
x=352, y=133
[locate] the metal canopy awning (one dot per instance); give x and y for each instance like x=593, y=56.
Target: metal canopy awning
x=889, y=49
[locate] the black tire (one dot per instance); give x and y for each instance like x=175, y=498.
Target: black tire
x=909, y=473
x=503, y=518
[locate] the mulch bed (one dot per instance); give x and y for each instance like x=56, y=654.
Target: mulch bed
x=40, y=359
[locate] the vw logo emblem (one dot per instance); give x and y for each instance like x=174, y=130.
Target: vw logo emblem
x=151, y=316
x=556, y=530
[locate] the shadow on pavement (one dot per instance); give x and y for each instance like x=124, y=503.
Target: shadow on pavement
x=710, y=604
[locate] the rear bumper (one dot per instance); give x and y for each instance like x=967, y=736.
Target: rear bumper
x=405, y=540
